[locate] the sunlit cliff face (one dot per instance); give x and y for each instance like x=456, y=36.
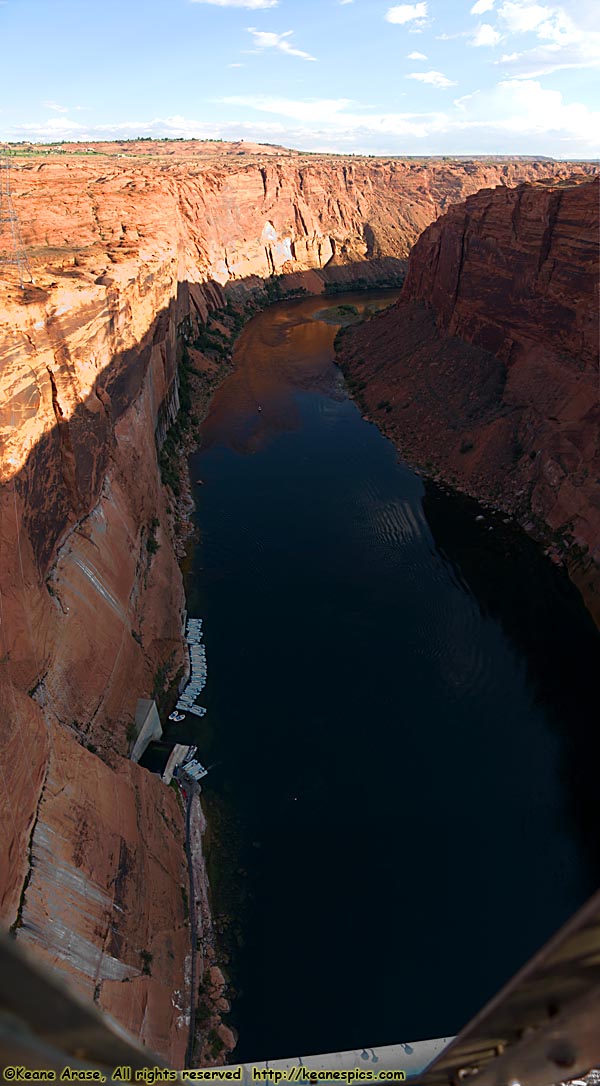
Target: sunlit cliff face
x=109, y=241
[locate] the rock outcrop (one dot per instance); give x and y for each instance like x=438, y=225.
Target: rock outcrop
x=130, y=248
x=486, y=371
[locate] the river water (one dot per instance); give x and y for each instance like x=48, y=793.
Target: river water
x=401, y=708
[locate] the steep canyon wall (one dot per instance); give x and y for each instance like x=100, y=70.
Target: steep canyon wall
x=126, y=253
x=486, y=371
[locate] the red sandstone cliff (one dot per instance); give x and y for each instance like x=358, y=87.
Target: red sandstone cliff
x=125, y=255
x=486, y=371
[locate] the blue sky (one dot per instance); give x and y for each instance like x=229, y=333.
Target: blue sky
x=363, y=76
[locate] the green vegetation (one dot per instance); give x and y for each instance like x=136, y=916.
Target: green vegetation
x=19, y=918
x=212, y=341
x=216, y=344
x=355, y=386
x=177, y=792
x=152, y=544
x=161, y=684
x=146, y=957
x=339, y=314
x=274, y=291
x=203, y=1011
x=339, y=335
x=186, y=904
x=170, y=453
x=215, y=1042
x=388, y=282
x=34, y=689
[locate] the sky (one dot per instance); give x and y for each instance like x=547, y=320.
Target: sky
x=353, y=76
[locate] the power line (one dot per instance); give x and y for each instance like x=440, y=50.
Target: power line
x=12, y=249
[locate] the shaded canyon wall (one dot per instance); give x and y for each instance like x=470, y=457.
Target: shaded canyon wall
x=486, y=371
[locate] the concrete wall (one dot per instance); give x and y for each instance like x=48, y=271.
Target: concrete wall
x=148, y=727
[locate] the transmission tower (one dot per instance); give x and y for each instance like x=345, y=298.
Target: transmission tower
x=12, y=250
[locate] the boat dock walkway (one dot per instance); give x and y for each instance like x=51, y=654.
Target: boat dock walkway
x=177, y=756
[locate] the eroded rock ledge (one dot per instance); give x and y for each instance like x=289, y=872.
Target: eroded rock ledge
x=486, y=371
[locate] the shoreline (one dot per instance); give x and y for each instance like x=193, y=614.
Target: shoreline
x=207, y=360
x=202, y=870
x=565, y=555
x=219, y=1040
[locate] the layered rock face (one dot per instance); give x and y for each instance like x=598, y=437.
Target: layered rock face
x=95, y=873
x=128, y=252
x=93, y=870
x=486, y=371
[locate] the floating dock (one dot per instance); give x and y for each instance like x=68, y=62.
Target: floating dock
x=197, y=679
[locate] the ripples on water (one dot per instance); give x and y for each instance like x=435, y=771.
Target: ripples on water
x=393, y=828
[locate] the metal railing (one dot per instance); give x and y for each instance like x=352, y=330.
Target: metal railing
x=543, y=1027
x=12, y=249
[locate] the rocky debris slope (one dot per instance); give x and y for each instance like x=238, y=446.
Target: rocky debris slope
x=486, y=370
x=129, y=253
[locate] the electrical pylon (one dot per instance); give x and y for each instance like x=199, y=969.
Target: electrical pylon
x=12, y=250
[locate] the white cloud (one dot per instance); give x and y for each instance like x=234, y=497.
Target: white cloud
x=548, y=23
x=435, y=79
x=51, y=104
x=534, y=109
x=551, y=58
x=346, y=1
x=416, y=56
x=264, y=39
x=254, y=4
x=55, y=128
x=335, y=119
x=306, y=110
x=405, y=13
x=515, y=117
x=520, y=18
x=55, y=106
x=522, y=113
x=485, y=35
x=236, y=65
x=460, y=102
x=563, y=44
x=451, y=37
x=481, y=6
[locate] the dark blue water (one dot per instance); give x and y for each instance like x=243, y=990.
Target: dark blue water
x=401, y=719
